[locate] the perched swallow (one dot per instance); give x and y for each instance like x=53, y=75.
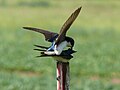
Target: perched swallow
x=59, y=41
x=65, y=56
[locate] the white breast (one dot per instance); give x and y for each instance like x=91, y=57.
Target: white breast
x=60, y=47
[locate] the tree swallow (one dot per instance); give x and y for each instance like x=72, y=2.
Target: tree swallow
x=59, y=41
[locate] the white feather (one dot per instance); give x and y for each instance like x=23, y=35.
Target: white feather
x=58, y=49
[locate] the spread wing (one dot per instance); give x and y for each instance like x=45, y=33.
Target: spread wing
x=48, y=35
x=67, y=25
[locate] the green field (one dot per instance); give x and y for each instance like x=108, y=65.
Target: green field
x=95, y=66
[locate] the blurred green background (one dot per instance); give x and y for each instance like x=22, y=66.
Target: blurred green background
x=96, y=65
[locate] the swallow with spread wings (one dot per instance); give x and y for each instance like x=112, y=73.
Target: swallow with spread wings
x=59, y=41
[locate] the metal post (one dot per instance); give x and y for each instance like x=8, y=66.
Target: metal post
x=63, y=76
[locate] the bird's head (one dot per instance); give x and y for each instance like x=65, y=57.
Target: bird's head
x=70, y=42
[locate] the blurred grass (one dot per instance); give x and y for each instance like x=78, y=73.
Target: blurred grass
x=95, y=66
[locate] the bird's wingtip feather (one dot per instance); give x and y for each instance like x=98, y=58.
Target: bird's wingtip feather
x=25, y=27
x=79, y=8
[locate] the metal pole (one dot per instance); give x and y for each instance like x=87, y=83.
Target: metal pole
x=63, y=76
